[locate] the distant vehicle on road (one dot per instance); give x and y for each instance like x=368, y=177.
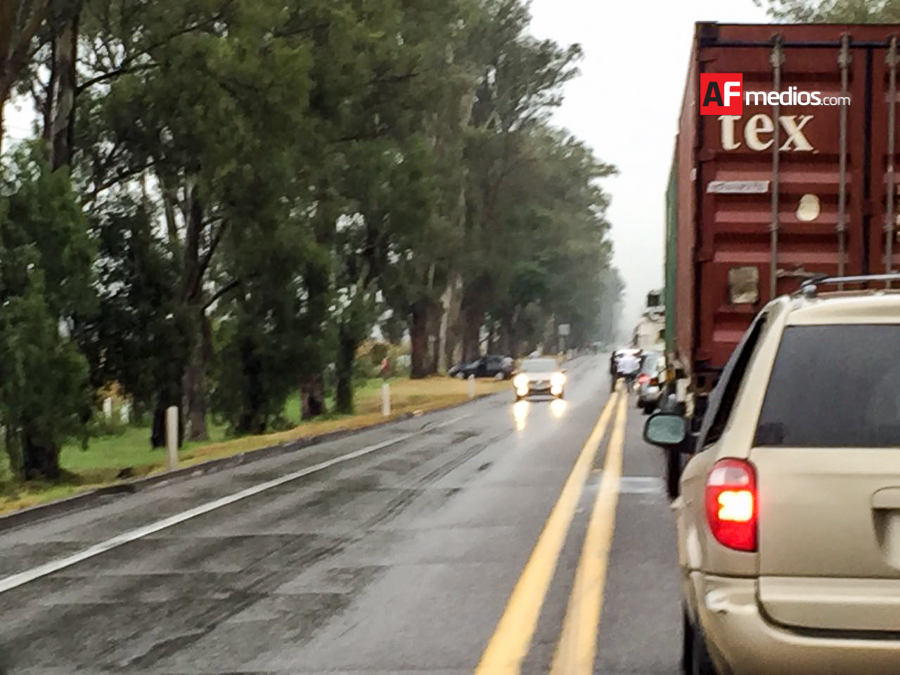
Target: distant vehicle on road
x=789, y=517
x=493, y=365
x=539, y=376
x=650, y=381
x=649, y=333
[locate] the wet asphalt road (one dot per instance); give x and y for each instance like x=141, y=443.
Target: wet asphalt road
x=400, y=560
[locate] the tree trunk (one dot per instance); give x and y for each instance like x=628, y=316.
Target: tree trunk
x=454, y=324
x=62, y=131
x=550, y=337
x=3, y=98
x=418, y=334
x=168, y=202
x=252, y=420
x=312, y=390
x=472, y=316
x=164, y=400
x=312, y=398
x=13, y=447
x=451, y=345
x=158, y=426
x=39, y=461
x=343, y=397
x=443, y=332
x=434, y=346
x=50, y=97
x=15, y=44
x=194, y=381
x=193, y=378
x=506, y=340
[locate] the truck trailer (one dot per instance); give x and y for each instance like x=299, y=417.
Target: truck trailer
x=649, y=332
x=783, y=170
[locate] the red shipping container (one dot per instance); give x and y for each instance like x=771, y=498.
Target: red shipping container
x=759, y=205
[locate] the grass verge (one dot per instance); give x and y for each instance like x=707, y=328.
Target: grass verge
x=112, y=459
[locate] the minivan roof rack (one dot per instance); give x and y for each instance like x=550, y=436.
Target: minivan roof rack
x=810, y=287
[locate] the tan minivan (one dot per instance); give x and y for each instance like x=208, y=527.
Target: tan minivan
x=789, y=509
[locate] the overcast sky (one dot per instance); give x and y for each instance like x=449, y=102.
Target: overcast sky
x=625, y=105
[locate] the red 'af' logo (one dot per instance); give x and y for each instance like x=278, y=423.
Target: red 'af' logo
x=721, y=93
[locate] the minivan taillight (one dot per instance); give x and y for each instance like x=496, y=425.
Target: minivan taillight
x=731, y=504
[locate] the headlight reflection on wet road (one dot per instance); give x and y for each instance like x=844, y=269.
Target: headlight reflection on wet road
x=520, y=414
x=558, y=407
x=521, y=409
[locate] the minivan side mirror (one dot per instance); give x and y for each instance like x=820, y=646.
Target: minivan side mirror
x=666, y=430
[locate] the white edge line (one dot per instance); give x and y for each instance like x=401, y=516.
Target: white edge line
x=22, y=578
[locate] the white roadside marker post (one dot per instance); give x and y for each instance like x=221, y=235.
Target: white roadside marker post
x=171, y=438
x=471, y=386
x=386, y=400
x=107, y=408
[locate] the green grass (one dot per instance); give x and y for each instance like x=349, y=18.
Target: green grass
x=130, y=449
x=105, y=458
x=362, y=392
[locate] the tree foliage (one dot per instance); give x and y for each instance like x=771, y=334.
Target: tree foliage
x=45, y=289
x=833, y=11
x=255, y=184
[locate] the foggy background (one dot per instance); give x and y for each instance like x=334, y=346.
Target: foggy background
x=625, y=105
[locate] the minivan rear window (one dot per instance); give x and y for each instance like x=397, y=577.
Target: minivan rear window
x=834, y=386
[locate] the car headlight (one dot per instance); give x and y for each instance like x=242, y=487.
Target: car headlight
x=557, y=380
x=520, y=381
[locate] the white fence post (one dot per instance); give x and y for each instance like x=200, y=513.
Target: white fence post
x=171, y=438
x=386, y=399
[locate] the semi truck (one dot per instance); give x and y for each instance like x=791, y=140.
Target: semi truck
x=783, y=169
x=649, y=332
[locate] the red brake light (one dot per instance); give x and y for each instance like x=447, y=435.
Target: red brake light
x=643, y=378
x=654, y=382
x=731, y=504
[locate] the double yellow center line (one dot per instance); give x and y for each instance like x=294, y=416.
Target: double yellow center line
x=577, y=645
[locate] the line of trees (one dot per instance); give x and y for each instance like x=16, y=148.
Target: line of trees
x=833, y=11
x=225, y=197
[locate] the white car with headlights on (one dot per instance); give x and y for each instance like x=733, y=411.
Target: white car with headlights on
x=539, y=376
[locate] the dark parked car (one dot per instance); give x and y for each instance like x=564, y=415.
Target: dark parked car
x=492, y=365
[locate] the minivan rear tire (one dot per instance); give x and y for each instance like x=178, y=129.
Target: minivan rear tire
x=695, y=660
x=673, y=473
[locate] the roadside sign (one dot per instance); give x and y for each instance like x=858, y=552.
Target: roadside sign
x=564, y=329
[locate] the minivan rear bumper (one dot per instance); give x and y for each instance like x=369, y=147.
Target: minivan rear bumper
x=742, y=641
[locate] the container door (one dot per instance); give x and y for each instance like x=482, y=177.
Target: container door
x=884, y=243
x=818, y=229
